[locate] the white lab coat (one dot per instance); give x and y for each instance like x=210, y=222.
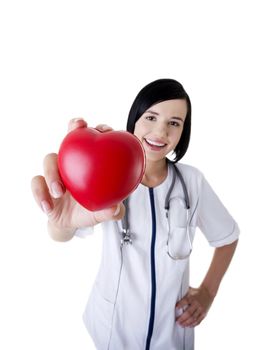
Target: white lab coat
x=133, y=285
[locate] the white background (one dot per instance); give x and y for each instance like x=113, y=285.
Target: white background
x=62, y=59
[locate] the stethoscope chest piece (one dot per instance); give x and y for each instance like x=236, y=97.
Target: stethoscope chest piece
x=126, y=237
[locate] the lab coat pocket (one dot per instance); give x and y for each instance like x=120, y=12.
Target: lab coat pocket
x=178, y=214
x=98, y=318
x=179, y=243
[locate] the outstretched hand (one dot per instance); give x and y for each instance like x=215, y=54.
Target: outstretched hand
x=65, y=215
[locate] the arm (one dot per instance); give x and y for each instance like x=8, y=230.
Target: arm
x=219, y=265
x=198, y=300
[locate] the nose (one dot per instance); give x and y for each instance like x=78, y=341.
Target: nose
x=161, y=130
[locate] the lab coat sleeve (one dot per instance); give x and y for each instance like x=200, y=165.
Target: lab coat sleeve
x=84, y=232
x=213, y=218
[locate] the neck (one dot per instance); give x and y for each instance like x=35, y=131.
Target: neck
x=155, y=173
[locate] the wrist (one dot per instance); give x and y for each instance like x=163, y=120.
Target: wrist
x=60, y=234
x=209, y=289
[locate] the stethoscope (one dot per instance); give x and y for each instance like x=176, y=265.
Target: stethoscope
x=183, y=240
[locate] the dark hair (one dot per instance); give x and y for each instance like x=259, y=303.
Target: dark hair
x=158, y=91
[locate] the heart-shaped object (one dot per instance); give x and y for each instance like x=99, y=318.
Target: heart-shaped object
x=100, y=169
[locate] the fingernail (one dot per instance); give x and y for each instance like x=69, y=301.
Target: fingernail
x=75, y=120
x=46, y=207
x=103, y=128
x=117, y=211
x=56, y=189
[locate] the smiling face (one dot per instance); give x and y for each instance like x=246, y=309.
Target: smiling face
x=160, y=128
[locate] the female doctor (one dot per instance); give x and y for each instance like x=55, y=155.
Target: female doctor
x=141, y=298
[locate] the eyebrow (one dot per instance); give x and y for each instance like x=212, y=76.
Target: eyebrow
x=150, y=111
x=155, y=113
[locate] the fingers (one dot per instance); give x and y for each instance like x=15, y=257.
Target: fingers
x=183, y=302
x=52, y=177
x=76, y=123
x=193, y=307
x=117, y=212
x=192, y=316
x=48, y=187
x=41, y=194
x=81, y=123
x=103, y=128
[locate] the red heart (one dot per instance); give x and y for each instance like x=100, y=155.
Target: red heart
x=100, y=169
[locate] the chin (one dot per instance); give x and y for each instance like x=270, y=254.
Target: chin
x=154, y=158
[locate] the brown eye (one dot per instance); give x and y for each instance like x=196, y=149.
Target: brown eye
x=150, y=117
x=174, y=123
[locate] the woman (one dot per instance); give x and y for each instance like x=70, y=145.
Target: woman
x=141, y=298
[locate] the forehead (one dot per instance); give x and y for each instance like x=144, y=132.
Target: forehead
x=170, y=108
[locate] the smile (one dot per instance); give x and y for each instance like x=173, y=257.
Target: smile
x=154, y=144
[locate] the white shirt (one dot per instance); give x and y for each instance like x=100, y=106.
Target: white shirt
x=137, y=287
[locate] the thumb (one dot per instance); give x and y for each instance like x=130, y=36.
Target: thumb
x=184, y=301
x=116, y=212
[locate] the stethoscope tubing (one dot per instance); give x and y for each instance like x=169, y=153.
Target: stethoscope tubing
x=125, y=231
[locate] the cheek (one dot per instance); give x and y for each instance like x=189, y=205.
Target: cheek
x=137, y=132
x=140, y=130
x=176, y=136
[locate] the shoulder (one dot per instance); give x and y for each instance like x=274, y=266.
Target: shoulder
x=190, y=172
x=193, y=177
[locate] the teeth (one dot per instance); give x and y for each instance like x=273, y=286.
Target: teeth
x=155, y=143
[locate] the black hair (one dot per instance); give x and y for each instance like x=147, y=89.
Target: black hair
x=158, y=91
